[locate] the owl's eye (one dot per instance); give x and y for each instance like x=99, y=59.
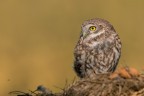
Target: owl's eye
x=92, y=28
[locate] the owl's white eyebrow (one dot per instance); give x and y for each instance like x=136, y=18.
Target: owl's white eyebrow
x=89, y=25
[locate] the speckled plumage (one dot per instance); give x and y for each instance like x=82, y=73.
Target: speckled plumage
x=97, y=51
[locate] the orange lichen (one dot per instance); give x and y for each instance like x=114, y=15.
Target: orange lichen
x=114, y=75
x=133, y=72
x=124, y=73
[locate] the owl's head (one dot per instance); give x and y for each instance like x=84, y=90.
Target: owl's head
x=94, y=27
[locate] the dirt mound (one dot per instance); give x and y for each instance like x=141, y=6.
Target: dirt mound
x=102, y=85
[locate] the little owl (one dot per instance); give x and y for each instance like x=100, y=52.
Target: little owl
x=98, y=49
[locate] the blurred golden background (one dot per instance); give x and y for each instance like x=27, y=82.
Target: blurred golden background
x=37, y=38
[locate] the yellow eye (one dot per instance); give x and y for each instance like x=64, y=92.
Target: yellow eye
x=92, y=28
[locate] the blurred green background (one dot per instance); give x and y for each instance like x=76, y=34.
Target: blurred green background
x=37, y=38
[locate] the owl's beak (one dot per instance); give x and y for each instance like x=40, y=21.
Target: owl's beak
x=85, y=34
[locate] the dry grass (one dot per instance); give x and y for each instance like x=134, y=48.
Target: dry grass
x=125, y=81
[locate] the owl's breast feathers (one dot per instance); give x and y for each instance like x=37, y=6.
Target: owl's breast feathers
x=97, y=55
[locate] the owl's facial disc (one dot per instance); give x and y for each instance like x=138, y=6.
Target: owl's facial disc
x=88, y=29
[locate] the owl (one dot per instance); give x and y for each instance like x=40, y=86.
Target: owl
x=98, y=49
